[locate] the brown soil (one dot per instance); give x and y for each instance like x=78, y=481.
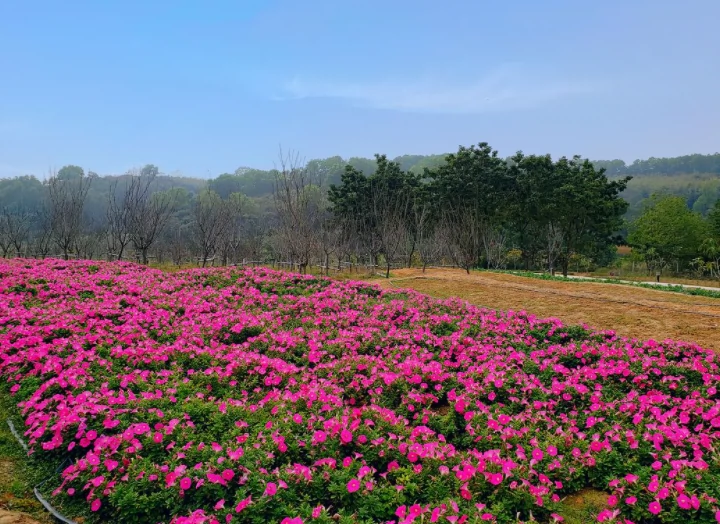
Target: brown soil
x=14, y=517
x=630, y=311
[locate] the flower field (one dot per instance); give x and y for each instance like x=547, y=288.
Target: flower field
x=226, y=395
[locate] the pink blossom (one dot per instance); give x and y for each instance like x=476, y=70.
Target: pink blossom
x=270, y=489
x=683, y=501
x=654, y=507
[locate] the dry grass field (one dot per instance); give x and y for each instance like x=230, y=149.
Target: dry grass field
x=629, y=311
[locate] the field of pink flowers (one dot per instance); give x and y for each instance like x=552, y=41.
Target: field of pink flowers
x=226, y=395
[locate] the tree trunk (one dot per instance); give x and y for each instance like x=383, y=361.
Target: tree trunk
x=412, y=252
x=387, y=272
x=144, y=256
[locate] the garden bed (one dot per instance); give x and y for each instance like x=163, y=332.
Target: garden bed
x=228, y=395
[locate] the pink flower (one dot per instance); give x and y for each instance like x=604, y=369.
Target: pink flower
x=435, y=515
x=270, y=489
x=346, y=436
x=228, y=474
x=631, y=500
x=612, y=501
x=185, y=483
x=244, y=503
x=604, y=515
x=220, y=504
x=317, y=511
x=97, y=481
x=495, y=478
x=654, y=507
x=683, y=501
x=95, y=505
x=353, y=485
x=537, y=454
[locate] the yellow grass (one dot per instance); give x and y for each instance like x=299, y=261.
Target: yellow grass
x=630, y=311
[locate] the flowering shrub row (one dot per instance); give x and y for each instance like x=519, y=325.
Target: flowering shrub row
x=220, y=396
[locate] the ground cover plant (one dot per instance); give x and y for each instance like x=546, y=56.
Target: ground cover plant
x=225, y=395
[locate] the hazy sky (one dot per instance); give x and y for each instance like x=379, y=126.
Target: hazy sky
x=203, y=87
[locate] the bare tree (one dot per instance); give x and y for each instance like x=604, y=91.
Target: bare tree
x=348, y=241
x=431, y=237
x=553, y=245
x=253, y=232
x=117, y=223
x=494, y=241
x=461, y=226
x=213, y=219
x=66, y=200
x=330, y=238
x=148, y=211
x=178, y=243
x=19, y=224
x=87, y=244
x=41, y=238
x=390, y=211
x=297, y=201
x=428, y=241
x=5, y=239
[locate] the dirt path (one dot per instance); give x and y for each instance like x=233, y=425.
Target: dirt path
x=630, y=311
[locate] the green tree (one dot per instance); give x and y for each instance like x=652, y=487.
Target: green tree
x=587, y=210
x=70, y=173
x=714, y=219
x=668, y=230
x=474, y=191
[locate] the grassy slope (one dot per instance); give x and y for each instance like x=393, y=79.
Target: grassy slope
x=18, y=474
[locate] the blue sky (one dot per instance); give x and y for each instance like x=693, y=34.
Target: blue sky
x=203, y=87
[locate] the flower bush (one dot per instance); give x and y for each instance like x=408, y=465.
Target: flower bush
x=225, y=395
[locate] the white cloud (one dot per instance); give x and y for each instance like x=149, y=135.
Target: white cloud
x=503, y=90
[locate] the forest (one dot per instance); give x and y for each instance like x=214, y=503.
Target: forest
x=469, y=209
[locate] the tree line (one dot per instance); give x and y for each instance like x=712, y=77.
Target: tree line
x=471, y=208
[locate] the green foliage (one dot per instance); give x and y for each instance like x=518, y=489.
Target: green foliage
x=229, y=336
x=669, y=230
x=714, y=220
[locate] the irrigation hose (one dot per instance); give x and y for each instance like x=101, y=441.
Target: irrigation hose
x=17, y=435
x=54, y=512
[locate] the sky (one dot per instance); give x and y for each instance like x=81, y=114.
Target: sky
x=204, y=87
